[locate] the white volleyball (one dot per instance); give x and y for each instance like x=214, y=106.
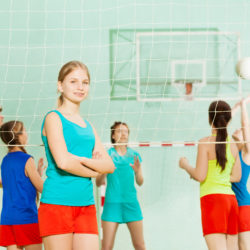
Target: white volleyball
x=243, y=68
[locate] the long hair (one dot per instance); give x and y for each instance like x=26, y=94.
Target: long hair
x=9, y=133
x=219, y=115
x=67, y=69
x=113, y=128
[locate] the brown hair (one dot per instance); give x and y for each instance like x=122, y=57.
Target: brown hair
x=1, y=108
x=67, y=69
x=219, y=116
x=9, y=133
x=113, y=128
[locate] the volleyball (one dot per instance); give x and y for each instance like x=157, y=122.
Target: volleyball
x=243, y=68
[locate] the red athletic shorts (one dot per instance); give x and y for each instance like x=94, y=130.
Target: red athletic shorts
x=59, y=219
x=244, y=219
x=219, y=214
x=20, y=235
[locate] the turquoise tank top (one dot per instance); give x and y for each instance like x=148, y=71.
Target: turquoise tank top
x=121, y=183
x=61, y=187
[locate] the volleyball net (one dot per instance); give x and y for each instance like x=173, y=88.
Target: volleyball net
x=155, y=65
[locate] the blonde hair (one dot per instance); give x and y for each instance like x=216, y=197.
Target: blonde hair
x=67, y=69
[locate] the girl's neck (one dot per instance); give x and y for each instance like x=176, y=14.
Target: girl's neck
x=15, y=149
x=69, y=108
x=121, y=149
x=214, y=131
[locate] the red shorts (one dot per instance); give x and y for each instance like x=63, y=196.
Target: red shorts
x=20, y=235
x=59, y=219
x=219, y=214
x=244, y=219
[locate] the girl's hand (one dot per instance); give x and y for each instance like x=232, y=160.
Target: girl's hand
x=96, y=155
x=235, y=108
x=40, y=167
x=240, y=103
x=244, y=101
x=237, y=104
x=183, y=162
x=136, y=166
x=247, y=99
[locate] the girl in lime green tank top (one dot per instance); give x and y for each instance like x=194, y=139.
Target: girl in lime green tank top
x=218, y=181
x=217, y=165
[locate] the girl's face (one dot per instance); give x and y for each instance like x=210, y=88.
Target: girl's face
x=121, y=134
x=75, y=86
x=23, y=138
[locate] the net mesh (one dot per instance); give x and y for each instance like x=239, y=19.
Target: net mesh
x=139, y=69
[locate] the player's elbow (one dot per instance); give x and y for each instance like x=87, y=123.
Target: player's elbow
x=235, y=178
x=40, y=189
x=201, y=178
x=238, y=179
x=62, y=164
x=140, y=182
x=110, y=167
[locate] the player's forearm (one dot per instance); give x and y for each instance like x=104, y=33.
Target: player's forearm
x=139, y=177
x=244, y=115
x=101, y=166
x=193, y=173
x=73, y=165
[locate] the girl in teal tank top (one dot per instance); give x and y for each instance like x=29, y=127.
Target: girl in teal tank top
x=69, y=189
x=217, y=165
x=121, y=204
x=67, y=212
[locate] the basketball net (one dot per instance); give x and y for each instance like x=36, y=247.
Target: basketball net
x=189, y=91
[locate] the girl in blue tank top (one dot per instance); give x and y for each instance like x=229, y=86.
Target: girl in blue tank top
x=242, y=136
x=121, y=203
x=67, y=212
x=20, y=180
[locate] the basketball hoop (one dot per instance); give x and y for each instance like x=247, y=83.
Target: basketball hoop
x=188, y=91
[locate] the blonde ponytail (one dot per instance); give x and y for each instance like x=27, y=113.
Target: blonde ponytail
x=60, y=101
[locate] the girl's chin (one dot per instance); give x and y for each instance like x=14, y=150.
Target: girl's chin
x=77, y=101
x=122, y=142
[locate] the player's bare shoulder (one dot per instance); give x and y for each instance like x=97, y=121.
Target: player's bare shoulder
x=52, y=116
x=52, y=121
x=205, y=142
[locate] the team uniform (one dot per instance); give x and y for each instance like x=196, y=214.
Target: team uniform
x=67, y=202
x=121, y=203
x=219, y=208
x=243, y=197
x=19, y=220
